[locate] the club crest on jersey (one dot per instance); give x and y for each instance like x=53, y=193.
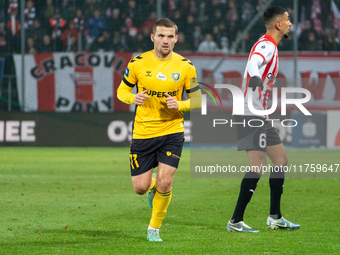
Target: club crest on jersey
x=161, y=76
x=271, y=76
x=175, y=76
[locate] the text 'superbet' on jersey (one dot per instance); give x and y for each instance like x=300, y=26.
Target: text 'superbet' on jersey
x=158, y=77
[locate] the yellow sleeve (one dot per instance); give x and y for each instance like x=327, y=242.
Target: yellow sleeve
x=193, y=90
x=124, y=93
x=193, y=103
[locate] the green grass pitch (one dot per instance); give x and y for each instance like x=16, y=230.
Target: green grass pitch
x=81, y=201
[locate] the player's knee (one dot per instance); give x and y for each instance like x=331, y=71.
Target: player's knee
x=164, y=184
x=140, y=190
x=282, y=161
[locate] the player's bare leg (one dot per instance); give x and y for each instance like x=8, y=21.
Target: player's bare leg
x=161, y=200
x=142, y=183
x=257, y=159
x=279, y=158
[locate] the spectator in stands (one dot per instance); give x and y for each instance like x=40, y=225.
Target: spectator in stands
x=140, y=43
x=69, y=37
x=79, y=20
x=312, y=44
x=212, y=6
x=329, y=43
x=190, y=28
x=224, y=45
x=5, y=40
x=118, y=5
x=115, y=22
x=57, y=24
x=181, y=44
x=173, y=6
x=79, y=23
x=101, y=42
x=197, y=36
x=116, y=44
x=48, y=13
x=30, y=14
x=14, y=25
x=286, y=45
x=260, y=4
x=180, y=20
x=246, y=43
x=126, y=39
x=37, y=32
x=215, y=20
x=247, y=14
x=96, y=25
x=88, y=9
x=132, y=12
x=304, y=36
x=220, y=36
x=147, y=40
x=232, y=19
x=47, y=45
x=193, y=9
x=150, y=20
x=208, y=45
x=30, y=47
x=69, y=11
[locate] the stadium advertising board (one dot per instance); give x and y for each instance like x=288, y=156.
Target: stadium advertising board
x=311, y=132
x=69, y=129
x=65, y=129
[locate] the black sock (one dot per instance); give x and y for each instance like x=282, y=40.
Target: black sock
x=276, y=181
x=248, y=186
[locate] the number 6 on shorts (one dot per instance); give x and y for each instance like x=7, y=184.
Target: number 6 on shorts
x=263, y=140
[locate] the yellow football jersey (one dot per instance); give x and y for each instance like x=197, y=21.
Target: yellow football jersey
x=159, y=76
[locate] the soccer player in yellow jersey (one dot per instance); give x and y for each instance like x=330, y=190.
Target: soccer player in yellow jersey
x=161, y=76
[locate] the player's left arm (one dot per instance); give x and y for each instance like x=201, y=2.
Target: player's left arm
x=193, y=91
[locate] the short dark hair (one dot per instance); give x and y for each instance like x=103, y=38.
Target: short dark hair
x=164, y=23
x=272, y=12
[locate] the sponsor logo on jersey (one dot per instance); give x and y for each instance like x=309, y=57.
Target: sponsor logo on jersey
x=161, y=76
x=175, y=76
x=162, y=93
x=127, y=71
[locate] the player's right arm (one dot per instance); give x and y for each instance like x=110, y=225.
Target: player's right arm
x=124, y=92
x=261, y=55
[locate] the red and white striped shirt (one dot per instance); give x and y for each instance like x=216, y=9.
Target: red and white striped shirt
x=262, y=62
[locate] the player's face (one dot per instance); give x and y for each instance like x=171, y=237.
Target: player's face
x=164, y=41
x=285, y=25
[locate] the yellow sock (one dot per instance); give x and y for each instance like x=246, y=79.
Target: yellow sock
x=152, y=185
x=161, y=202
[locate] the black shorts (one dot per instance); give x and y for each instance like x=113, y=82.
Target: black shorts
x=146, y=153
x=255, y=138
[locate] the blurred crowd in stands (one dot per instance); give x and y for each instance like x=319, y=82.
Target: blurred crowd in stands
x=125, y=25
